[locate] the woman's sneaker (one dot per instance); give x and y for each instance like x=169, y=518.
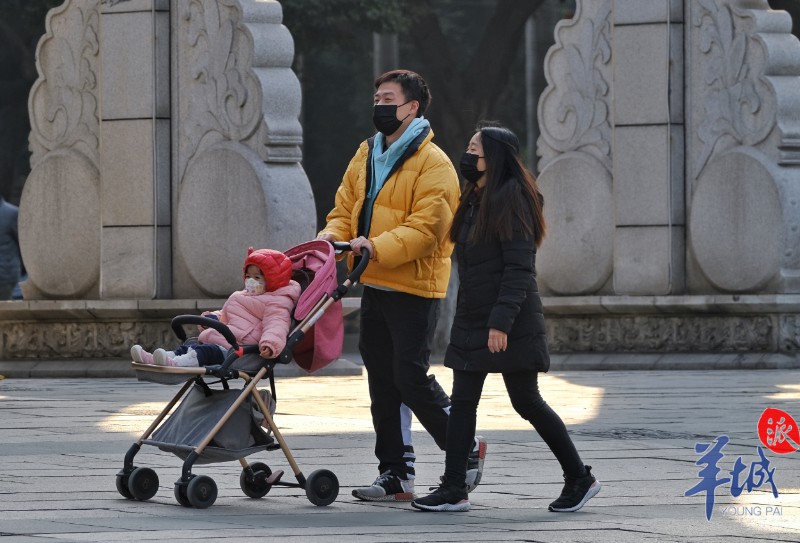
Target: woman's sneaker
x=577, y=491
x=139, y=355
x=387, y=488
x=444, y=498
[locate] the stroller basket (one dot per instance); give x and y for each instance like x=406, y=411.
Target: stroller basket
x=197, y=415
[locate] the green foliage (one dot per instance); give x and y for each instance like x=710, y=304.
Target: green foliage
x=318, y=24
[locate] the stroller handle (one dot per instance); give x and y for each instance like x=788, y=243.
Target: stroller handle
x=361, y=262
x=180, y=320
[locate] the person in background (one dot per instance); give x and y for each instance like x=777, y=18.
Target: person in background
x=10, y=260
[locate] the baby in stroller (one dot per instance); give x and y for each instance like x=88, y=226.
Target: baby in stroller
x=260, y=314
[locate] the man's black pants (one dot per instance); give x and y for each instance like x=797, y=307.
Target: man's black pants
x=395, y=342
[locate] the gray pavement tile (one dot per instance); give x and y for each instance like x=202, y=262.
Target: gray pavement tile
x=62, y=442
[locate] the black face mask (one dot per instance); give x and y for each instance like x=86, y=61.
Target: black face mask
x=384, y=117
x=469, y=167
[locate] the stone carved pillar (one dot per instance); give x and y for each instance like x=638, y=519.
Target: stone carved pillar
x=165, y=141
x=575, y=150
x=743, y=180
x=60, y=212
x=236, y=177
x=629, y=214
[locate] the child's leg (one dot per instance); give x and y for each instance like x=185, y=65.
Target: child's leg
x=162, y=357
x=209, y=354
x=197, y=354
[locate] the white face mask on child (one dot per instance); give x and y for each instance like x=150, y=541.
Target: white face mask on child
x=254, y=286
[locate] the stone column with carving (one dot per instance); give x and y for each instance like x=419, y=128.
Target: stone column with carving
x=670, y=146
x=165, y=140
x=743, y=181
x=237, y=179
x=60, y=209
x=576, y=160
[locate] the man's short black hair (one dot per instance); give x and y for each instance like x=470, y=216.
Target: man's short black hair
x=414, y=87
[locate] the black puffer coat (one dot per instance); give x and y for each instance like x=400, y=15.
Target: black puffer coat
x=497, y=290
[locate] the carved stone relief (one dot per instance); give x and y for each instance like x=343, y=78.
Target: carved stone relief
x=665, y=334
x=789, y=340
x=59, y=209
x=575, y=151
x=82, y=339
x=738, y=103
x=743, y=212
x=239, y=135
x=574, y=108
x=221, y=97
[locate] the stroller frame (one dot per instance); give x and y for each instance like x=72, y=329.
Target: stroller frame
x=257, y=479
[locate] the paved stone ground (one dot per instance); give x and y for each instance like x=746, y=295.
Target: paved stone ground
x=63, y=440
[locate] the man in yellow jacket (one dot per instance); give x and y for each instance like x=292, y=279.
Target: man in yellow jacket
x=397, y=200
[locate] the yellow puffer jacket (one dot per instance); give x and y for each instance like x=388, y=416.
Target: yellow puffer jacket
x=411, y=218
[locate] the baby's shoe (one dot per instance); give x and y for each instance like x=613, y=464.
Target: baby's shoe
x=138, y=354
x=163, y=357
x=187, y=360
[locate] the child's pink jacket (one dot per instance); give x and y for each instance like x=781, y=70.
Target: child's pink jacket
x=262, y=319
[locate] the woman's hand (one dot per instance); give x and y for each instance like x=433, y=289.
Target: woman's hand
x=498, y=341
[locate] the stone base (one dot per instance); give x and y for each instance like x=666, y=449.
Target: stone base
x=674, y=324
x=661, y=325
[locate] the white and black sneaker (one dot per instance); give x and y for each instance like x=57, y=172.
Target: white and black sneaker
x=387, y=488
x=577, y=491
x=444, y=498
x=475, y=463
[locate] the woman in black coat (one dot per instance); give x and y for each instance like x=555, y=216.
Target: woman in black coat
x=499, y=325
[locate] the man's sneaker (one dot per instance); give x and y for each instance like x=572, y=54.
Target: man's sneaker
x=475, y=463
x=387, y=488
x=577, y=491
x=444, y=498
x=139, y=355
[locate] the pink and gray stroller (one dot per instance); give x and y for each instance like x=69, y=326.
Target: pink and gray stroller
x=217, y=423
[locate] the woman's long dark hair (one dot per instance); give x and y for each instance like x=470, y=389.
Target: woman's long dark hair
x=510, y=199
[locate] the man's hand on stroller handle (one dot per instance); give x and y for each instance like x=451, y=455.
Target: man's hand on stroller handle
x=359, y=244
x=356, y=245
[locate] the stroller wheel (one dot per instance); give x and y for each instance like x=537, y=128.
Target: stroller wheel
x=122, y=485
x=143, y=483
x=202, y=492
x=256, y=486
x=180, y=492
x=322, y=487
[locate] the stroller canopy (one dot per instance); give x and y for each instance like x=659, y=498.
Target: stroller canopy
x=316, y=261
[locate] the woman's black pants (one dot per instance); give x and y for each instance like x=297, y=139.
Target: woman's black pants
x=523, y=390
